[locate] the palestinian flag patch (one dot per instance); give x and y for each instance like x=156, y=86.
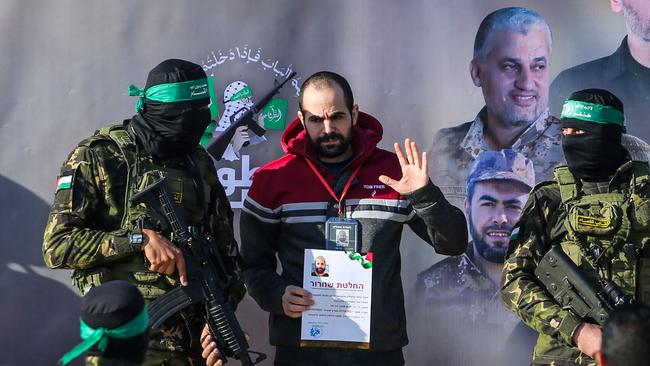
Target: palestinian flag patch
x=515, y=234
x=64, y=181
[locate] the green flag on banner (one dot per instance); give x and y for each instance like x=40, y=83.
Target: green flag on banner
x=214, y=107
x=214, y=113
x=275, y=114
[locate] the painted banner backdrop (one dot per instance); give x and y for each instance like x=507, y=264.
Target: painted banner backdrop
x=67, y=64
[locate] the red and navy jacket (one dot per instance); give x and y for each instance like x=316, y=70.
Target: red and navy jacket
x=285, y=213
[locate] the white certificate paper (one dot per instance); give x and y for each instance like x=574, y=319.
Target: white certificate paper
x=341, y=288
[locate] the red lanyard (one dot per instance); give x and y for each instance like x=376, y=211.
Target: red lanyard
x=329, y=189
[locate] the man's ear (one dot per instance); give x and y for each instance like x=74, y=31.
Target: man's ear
x=466, y=206
x=475, y=72
x=355, y=114
x=301, y=117
x=616, y=5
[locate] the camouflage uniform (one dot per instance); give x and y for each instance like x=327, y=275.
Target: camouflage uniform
x=156, y=358
x=545, y=223
x=454, y=149
x=101, y=361
x=90, y=222
x=462, y=306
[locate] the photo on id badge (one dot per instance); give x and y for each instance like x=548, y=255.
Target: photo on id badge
x=342, y=234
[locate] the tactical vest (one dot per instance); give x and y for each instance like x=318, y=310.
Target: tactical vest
x=608, y=234
x=141, y=172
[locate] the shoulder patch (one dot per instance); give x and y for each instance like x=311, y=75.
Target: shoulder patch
x=515, y=234
x=64, y=181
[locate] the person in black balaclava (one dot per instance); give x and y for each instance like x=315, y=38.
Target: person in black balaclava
x=595, y=213
x=170, y=122
x=592, y=126
x=95, y=230
x=114, y=326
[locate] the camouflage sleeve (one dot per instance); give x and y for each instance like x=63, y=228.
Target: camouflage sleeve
x=439, y=155
x=221, y=221
x=520, y=290
x=72, y=236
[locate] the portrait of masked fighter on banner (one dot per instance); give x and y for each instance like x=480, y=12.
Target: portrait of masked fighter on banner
x=237, y=98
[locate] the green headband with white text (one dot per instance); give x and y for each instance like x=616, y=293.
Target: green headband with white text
x=171, y=92
x=591, y=112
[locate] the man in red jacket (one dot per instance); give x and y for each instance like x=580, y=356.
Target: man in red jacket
x=333, y=168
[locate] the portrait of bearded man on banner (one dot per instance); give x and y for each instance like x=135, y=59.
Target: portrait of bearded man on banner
x=458, y=296
x=626, y=72
x=511, y=64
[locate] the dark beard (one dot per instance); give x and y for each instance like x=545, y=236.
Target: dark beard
x=320, y=270
x=333, y=152
x=491, y=254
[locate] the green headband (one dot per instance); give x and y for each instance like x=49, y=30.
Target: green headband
x=592, y=113
x=172, y=92
x=91, y=336
x=244, y=93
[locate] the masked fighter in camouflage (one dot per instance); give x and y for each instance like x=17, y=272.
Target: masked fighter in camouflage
x=94, y=230
x=597, y=210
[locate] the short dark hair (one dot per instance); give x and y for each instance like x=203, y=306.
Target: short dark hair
x=512, y=19
x=626, y=336
x=328, y=78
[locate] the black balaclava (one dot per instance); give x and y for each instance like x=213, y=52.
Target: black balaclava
x=167, y=130
x=112, y=305
x=595, y=155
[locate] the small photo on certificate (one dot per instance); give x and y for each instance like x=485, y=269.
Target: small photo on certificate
x=320, y=268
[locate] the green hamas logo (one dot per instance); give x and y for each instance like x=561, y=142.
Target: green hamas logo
x=275, y=114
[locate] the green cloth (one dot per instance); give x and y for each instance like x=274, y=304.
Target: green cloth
x=100, y=336
x=172, y=92
x=591, y=112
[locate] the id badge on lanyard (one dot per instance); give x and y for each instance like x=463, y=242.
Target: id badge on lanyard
x=342, y=234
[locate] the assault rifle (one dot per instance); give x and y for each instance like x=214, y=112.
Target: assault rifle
x=218, y=146
x=207, y=276
x=588, y=298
